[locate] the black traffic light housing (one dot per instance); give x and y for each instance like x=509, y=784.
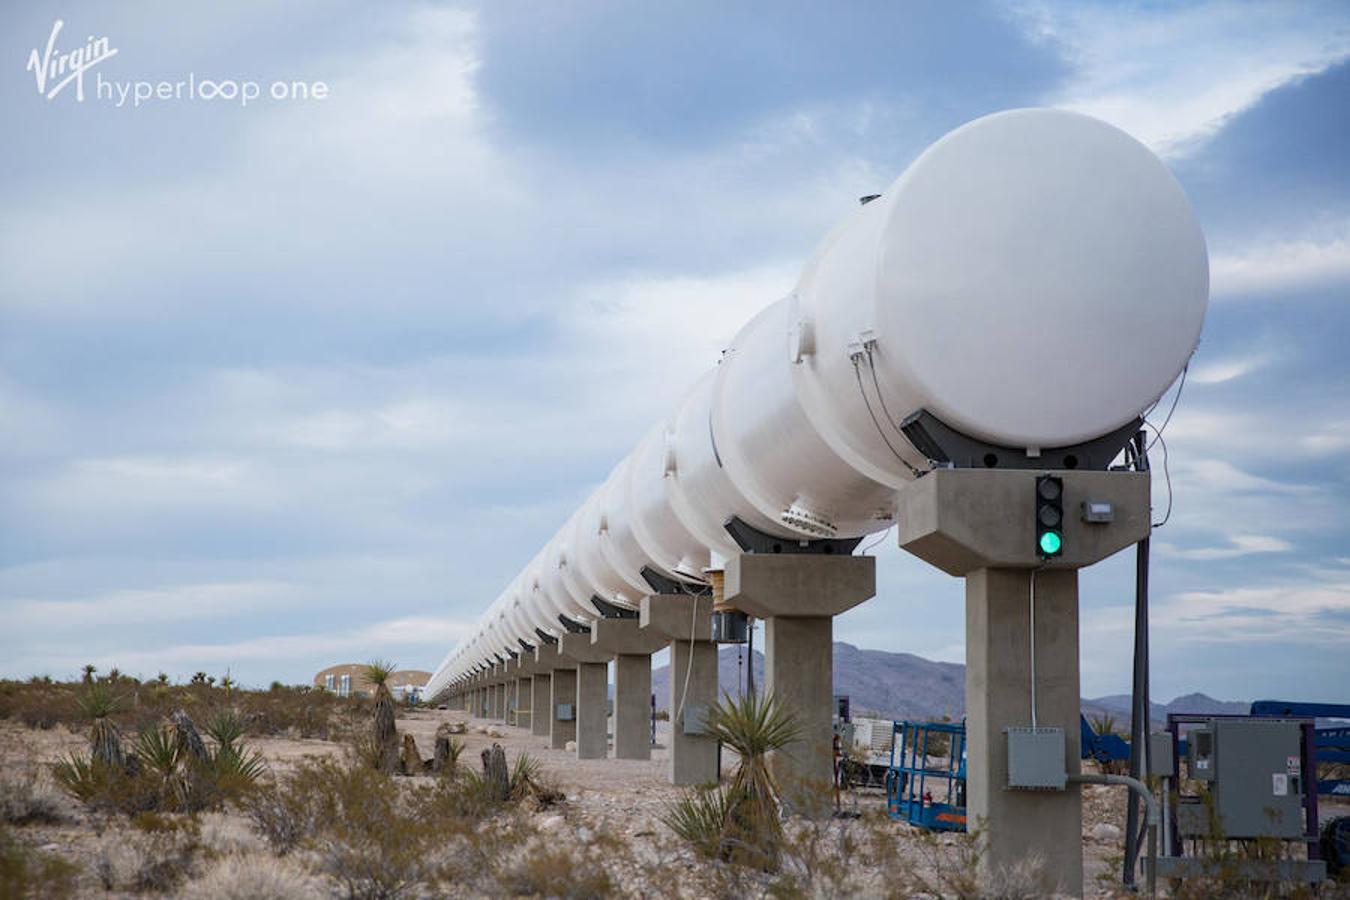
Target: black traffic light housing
x=1049, y=516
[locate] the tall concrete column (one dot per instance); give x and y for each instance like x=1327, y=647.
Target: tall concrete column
x=797, y=595
x=797, y=651
x=563, y=691
x=632, y=648
x=980, y=524
x=632, y=706
x=541, y=688
x=693, y=689
x=592, y=720
x=524, y=701
x=998, y=696
x=686, y=621
x=592, y=732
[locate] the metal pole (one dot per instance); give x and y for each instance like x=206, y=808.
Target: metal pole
x=1140, y=705
x=750, y=651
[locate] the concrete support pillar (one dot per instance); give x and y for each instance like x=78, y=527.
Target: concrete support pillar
x=592, y=693
x=524, y=701
x=798, y=650
x=592, y=700
x=686, y=622
x=693, y=757
x=632, y=706
x=563, y=691
x=797, y=595
x=980, y=524
x=632, y=647
x=1049, y=825
x=541, y=687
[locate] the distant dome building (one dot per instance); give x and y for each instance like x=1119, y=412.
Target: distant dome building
x=349, y=680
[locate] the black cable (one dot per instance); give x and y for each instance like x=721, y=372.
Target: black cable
x=1175, y=400
x=881, y=431
x=1167, y=476
x=872, y=367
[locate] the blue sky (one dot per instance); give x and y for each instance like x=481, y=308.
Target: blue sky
x=308, y=381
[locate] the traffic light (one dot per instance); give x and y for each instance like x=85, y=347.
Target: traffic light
x=1049, y=516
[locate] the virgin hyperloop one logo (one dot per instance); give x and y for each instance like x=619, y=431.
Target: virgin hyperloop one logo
x=55, y=69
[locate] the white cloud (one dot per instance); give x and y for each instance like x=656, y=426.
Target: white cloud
x=401, y=638
x=1174, y=75
x=1277, y=267
x=188, y=602
x=1223, y=370
x=1239, y=545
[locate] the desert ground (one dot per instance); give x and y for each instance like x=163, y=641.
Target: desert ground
x=605, y=836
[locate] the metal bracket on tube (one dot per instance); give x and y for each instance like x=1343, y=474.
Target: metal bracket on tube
x=752, y=540
x=573, y=626
x=948, y=447
x=513, y=654
x=662, y=584
x=525, y=645
x=612, y=610
x=545, y=636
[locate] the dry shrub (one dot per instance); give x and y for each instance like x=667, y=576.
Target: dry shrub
x=379, y=836
x=254, y=877
x=554, y=872
x=26, y=873
x=227, y=835
x=27, y=798
x=147, y=861
x=299, y=711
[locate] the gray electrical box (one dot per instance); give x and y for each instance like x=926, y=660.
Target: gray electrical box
x=565, y=713
x=1160, y=749
x=695, y=719
x=1036, y=759
x=1255, y=778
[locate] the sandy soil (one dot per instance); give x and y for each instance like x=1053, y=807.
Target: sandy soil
x=621, y=797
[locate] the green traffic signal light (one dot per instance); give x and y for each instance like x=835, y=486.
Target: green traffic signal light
x=1051, y=542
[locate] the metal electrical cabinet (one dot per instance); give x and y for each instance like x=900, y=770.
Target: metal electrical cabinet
x=1254, y=775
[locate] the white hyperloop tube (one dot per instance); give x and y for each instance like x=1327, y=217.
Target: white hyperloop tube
x=1035, y=279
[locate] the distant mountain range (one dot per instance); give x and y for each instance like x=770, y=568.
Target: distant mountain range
x=905, y=686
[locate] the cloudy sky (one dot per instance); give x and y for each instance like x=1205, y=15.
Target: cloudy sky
x=308, y=380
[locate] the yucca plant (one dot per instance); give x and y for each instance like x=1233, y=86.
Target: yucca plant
x=89, y=671
x=385, y=734
x=225, y=728
x=105, y=740
x=701, y=817
x=753, y=726
x=83, y=778
x=163, y=759
x=232, y=766
x=524, y=772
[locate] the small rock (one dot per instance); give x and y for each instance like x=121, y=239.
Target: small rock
x=550, y=823
x=570, y=746
x=50, y=847
x=1105, y=832
x=584, y=834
